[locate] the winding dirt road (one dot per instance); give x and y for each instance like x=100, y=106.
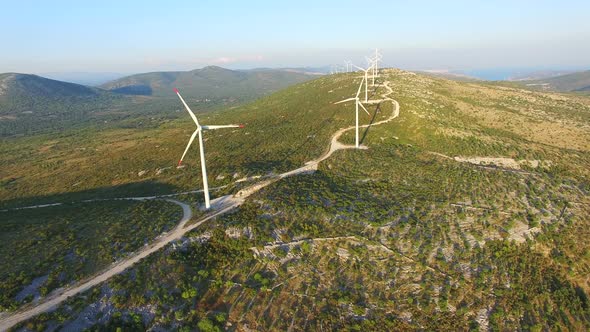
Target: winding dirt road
x=335, y=145
x=220, y=206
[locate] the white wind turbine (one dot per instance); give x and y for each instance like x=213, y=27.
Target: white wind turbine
x=372, y=63
x=348, y=65
x=358, y=103
x=199, y=131
x=365, y=80
x=375, y=62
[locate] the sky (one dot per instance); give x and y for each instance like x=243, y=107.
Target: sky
x=138, y=36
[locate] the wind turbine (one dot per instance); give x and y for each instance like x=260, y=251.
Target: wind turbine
x=199, y=132
x=348, y=65
x=365, y=80
x=372, y=63
x=358, y=103
x=376, y=60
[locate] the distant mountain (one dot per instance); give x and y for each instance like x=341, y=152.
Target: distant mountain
x=31, y=103
x=538, y=75
x=575, y=82
x=209, y=82
x=14, y=85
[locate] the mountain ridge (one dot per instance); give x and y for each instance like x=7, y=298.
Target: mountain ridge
x=207, y=82
x=17, y=83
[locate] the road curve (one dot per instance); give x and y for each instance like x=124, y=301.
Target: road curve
x=335, y=145
x=54, y=299
x=223, y=205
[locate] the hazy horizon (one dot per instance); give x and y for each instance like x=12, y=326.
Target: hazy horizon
x=132, y=37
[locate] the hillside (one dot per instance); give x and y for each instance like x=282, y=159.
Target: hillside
x=467, y=211
x=30, y=103
x=575, y=82
x=208, y=83
x=22, y=85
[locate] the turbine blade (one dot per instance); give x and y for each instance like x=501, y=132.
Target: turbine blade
x=360, y=86
x=221, y=127
x=361, y=105
x=190, y=141
x=187, y=108
x=345, y=100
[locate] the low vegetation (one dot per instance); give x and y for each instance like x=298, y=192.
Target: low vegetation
x=47, y=248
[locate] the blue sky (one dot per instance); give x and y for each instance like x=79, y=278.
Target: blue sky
x=135, y=36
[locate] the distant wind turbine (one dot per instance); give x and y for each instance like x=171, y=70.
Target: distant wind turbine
x=357, y=104
x=199, y=132
x=348, y=65
x=375, y=61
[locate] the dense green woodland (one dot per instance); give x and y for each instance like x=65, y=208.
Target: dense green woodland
x=401, y=236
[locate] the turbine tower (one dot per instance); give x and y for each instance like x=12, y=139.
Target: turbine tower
x=199, y=132
x=357, y=104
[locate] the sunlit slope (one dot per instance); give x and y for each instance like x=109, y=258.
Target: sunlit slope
x=480, y=120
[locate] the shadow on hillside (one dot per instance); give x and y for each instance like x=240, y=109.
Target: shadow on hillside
x=146, y=188
x=366, y=131
x=134, y=90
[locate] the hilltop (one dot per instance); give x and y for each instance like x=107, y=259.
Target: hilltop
x=208, y=82
x=14, y=85
x=469, y=210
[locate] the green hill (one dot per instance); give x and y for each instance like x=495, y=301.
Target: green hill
x=575, y=82
x=208, y=83
x=30, y=104
x=23, y=85
x=468, y=211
